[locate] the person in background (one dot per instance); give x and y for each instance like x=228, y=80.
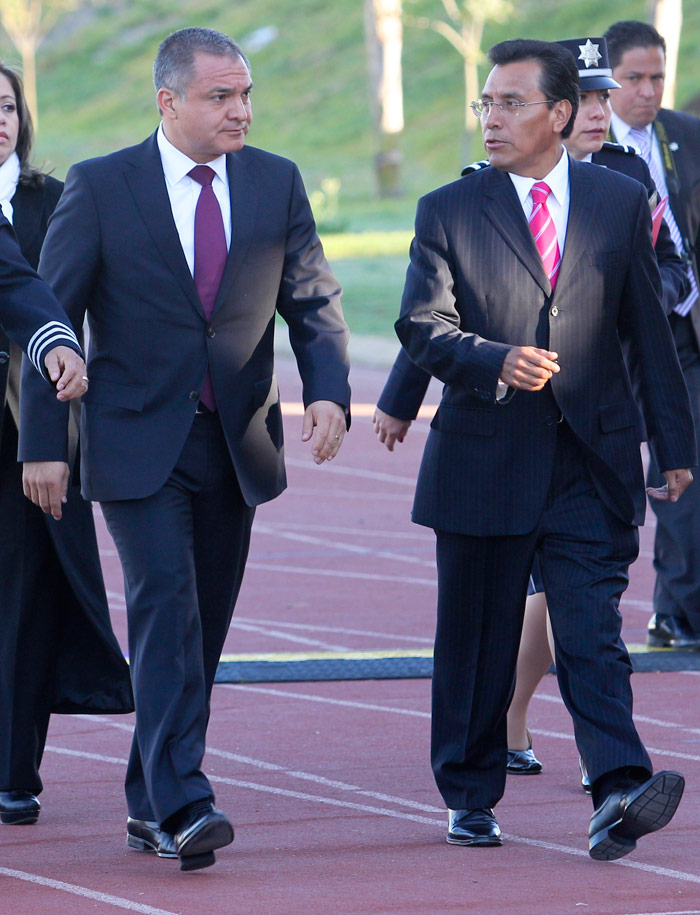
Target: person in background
x=669, y=142
x=57, y=649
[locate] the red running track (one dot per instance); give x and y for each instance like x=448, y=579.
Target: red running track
x=328, y=783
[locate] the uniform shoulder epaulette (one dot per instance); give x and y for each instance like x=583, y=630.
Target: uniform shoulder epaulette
x=620, y=148
x=475, y=167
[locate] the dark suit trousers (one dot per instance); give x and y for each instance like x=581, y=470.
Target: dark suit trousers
x=183, y=551
x=585, y=552
x=677, y=540
x=30, y=607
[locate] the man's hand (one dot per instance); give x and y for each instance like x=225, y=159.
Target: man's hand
x=328, y=418
x=390, y=429
x=677, y=481
x=528, y=368
x=67, y=371
x=46, y=484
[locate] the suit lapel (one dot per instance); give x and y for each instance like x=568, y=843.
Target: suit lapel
x=582, y=206
x=504, y=210
x=27, y=205
x=147, y=184
x=244, y=205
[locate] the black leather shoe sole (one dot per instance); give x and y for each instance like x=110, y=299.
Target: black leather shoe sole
x=475, y=842
x=197, y=862
x=20, y=817
x=679, y=644
x=146, y=836
x=650, y=807
x=196, y=843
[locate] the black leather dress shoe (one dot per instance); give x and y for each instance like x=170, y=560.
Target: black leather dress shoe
x=146, y=835
x=671, y=632
x=523, y=762
x=196, y=840
x=476, y=826
x=18, y=808
x=627, y=814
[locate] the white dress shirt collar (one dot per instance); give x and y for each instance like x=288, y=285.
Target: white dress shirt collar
x=176, y=164
x=557, y=179
x=621, y=131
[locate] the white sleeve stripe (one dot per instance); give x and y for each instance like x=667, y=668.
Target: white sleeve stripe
x=46, y=335
x=58, y=339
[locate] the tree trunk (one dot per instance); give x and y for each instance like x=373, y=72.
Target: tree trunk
x=471, y=35
x=668, y=21
x=28, y=51
x=384, y=42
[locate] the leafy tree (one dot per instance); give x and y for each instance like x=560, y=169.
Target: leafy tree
x=28, y=22
x=464, y=29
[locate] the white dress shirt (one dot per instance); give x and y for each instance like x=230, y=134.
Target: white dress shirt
x=621, y=131
x=183, y=192
x=557, y=204
x=9, y=177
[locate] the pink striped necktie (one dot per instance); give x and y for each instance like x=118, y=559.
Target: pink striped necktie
x=544, y=231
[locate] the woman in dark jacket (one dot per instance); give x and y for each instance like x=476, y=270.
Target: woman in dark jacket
x=57, y=649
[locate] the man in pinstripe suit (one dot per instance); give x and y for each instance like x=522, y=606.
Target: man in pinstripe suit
x=520, y=306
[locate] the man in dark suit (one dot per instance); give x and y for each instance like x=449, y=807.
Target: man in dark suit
x=182, y=250
x=669, y=141
x=523, y=282
x=407, y=383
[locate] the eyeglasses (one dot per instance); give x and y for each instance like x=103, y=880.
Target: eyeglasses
x=510, y=106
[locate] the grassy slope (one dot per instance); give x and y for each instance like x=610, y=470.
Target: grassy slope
x=310, y=98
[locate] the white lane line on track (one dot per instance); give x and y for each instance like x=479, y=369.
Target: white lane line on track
x=402, y=815
x=285, y=636
x=309, y=697
x=675, y=754
x=315, y=627
x=332, y=573
x=107, y=898
x=657, y=722
x=355, y=494
x=340, y=545
x=352, y=472
x=420, y=533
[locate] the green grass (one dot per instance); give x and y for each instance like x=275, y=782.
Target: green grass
x=310, y=103
x=372, y=289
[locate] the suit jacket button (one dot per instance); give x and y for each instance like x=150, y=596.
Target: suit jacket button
x=4, y=357
x=554, y=312
x=194, y=395
x=549, y=420
x=211, y=332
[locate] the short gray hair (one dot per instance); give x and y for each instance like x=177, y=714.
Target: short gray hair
x=173, y=67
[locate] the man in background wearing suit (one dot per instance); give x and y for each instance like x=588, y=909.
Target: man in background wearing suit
x=524, y=282
x=669, y=142
x=182, y=250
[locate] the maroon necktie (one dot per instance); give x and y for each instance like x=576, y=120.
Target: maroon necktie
x=210, y=253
